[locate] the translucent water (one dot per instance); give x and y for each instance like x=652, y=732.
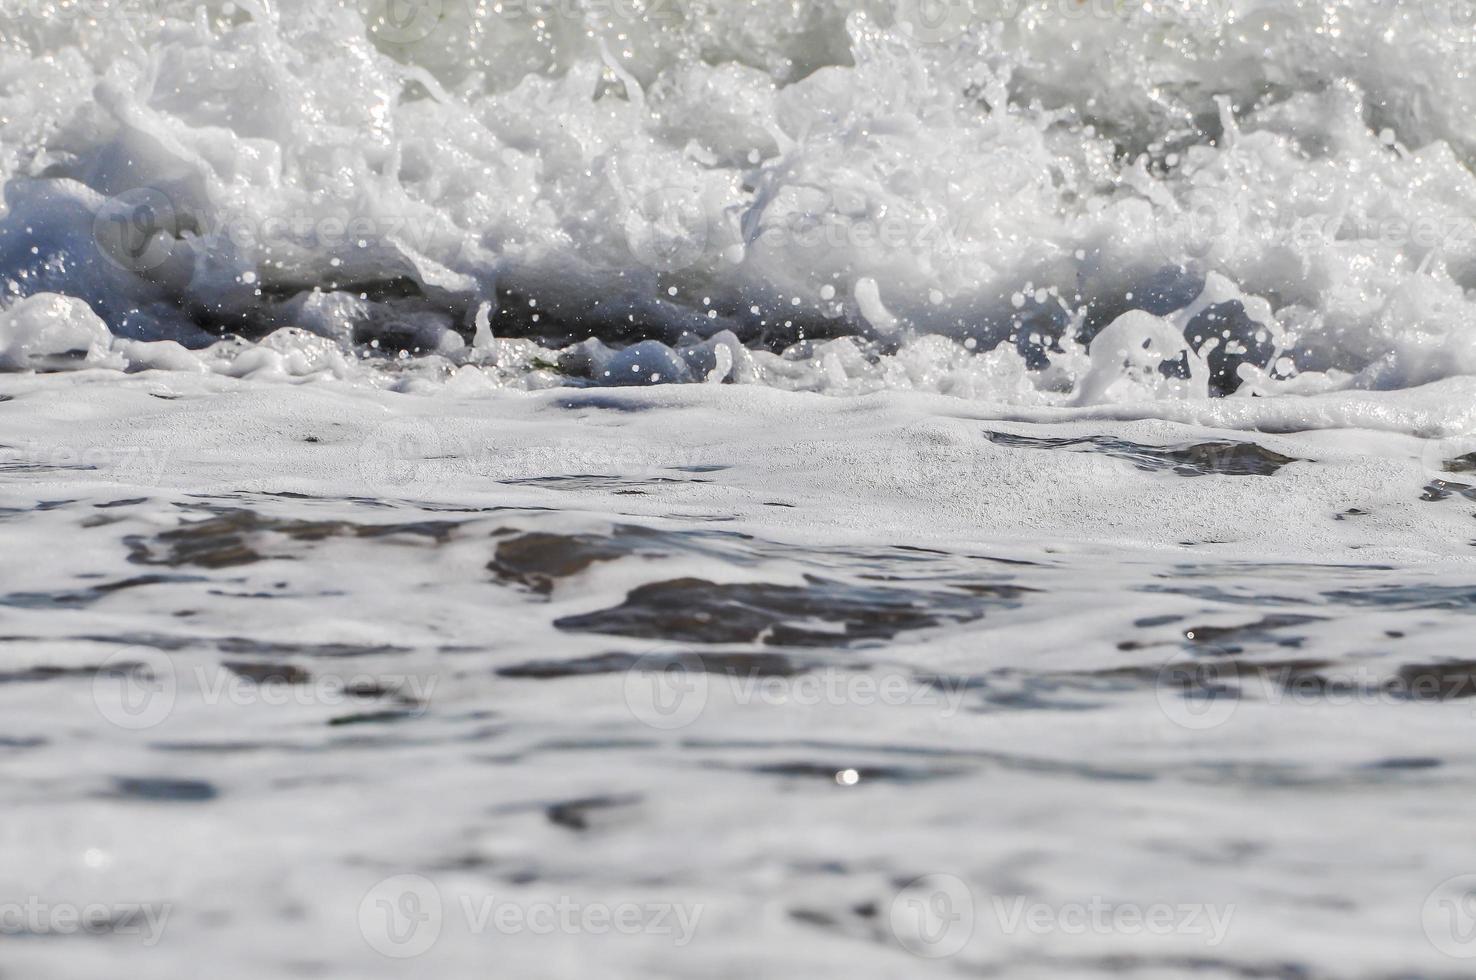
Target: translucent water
x=670, y=489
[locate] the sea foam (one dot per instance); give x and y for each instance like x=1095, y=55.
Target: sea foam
x=1007, y=201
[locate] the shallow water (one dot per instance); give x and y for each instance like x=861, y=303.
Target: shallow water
x=763, y=682
x=853, y=488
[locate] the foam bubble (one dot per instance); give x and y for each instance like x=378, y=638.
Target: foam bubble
x=662, y=173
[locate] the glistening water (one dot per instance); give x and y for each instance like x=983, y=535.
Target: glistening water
x=737, y=489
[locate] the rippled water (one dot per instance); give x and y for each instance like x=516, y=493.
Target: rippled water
x=762, y=695
x=852, y=488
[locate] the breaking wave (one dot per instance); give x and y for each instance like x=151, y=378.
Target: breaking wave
x=1038, y=202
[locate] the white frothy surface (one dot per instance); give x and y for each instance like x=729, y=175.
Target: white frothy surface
x=1040, y=746
x=1288, y=186
x=1097, y=379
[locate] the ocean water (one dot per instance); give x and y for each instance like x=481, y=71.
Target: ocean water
x=737, y=489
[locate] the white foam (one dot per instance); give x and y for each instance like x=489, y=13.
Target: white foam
x=41, y=329
x=592, y=158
